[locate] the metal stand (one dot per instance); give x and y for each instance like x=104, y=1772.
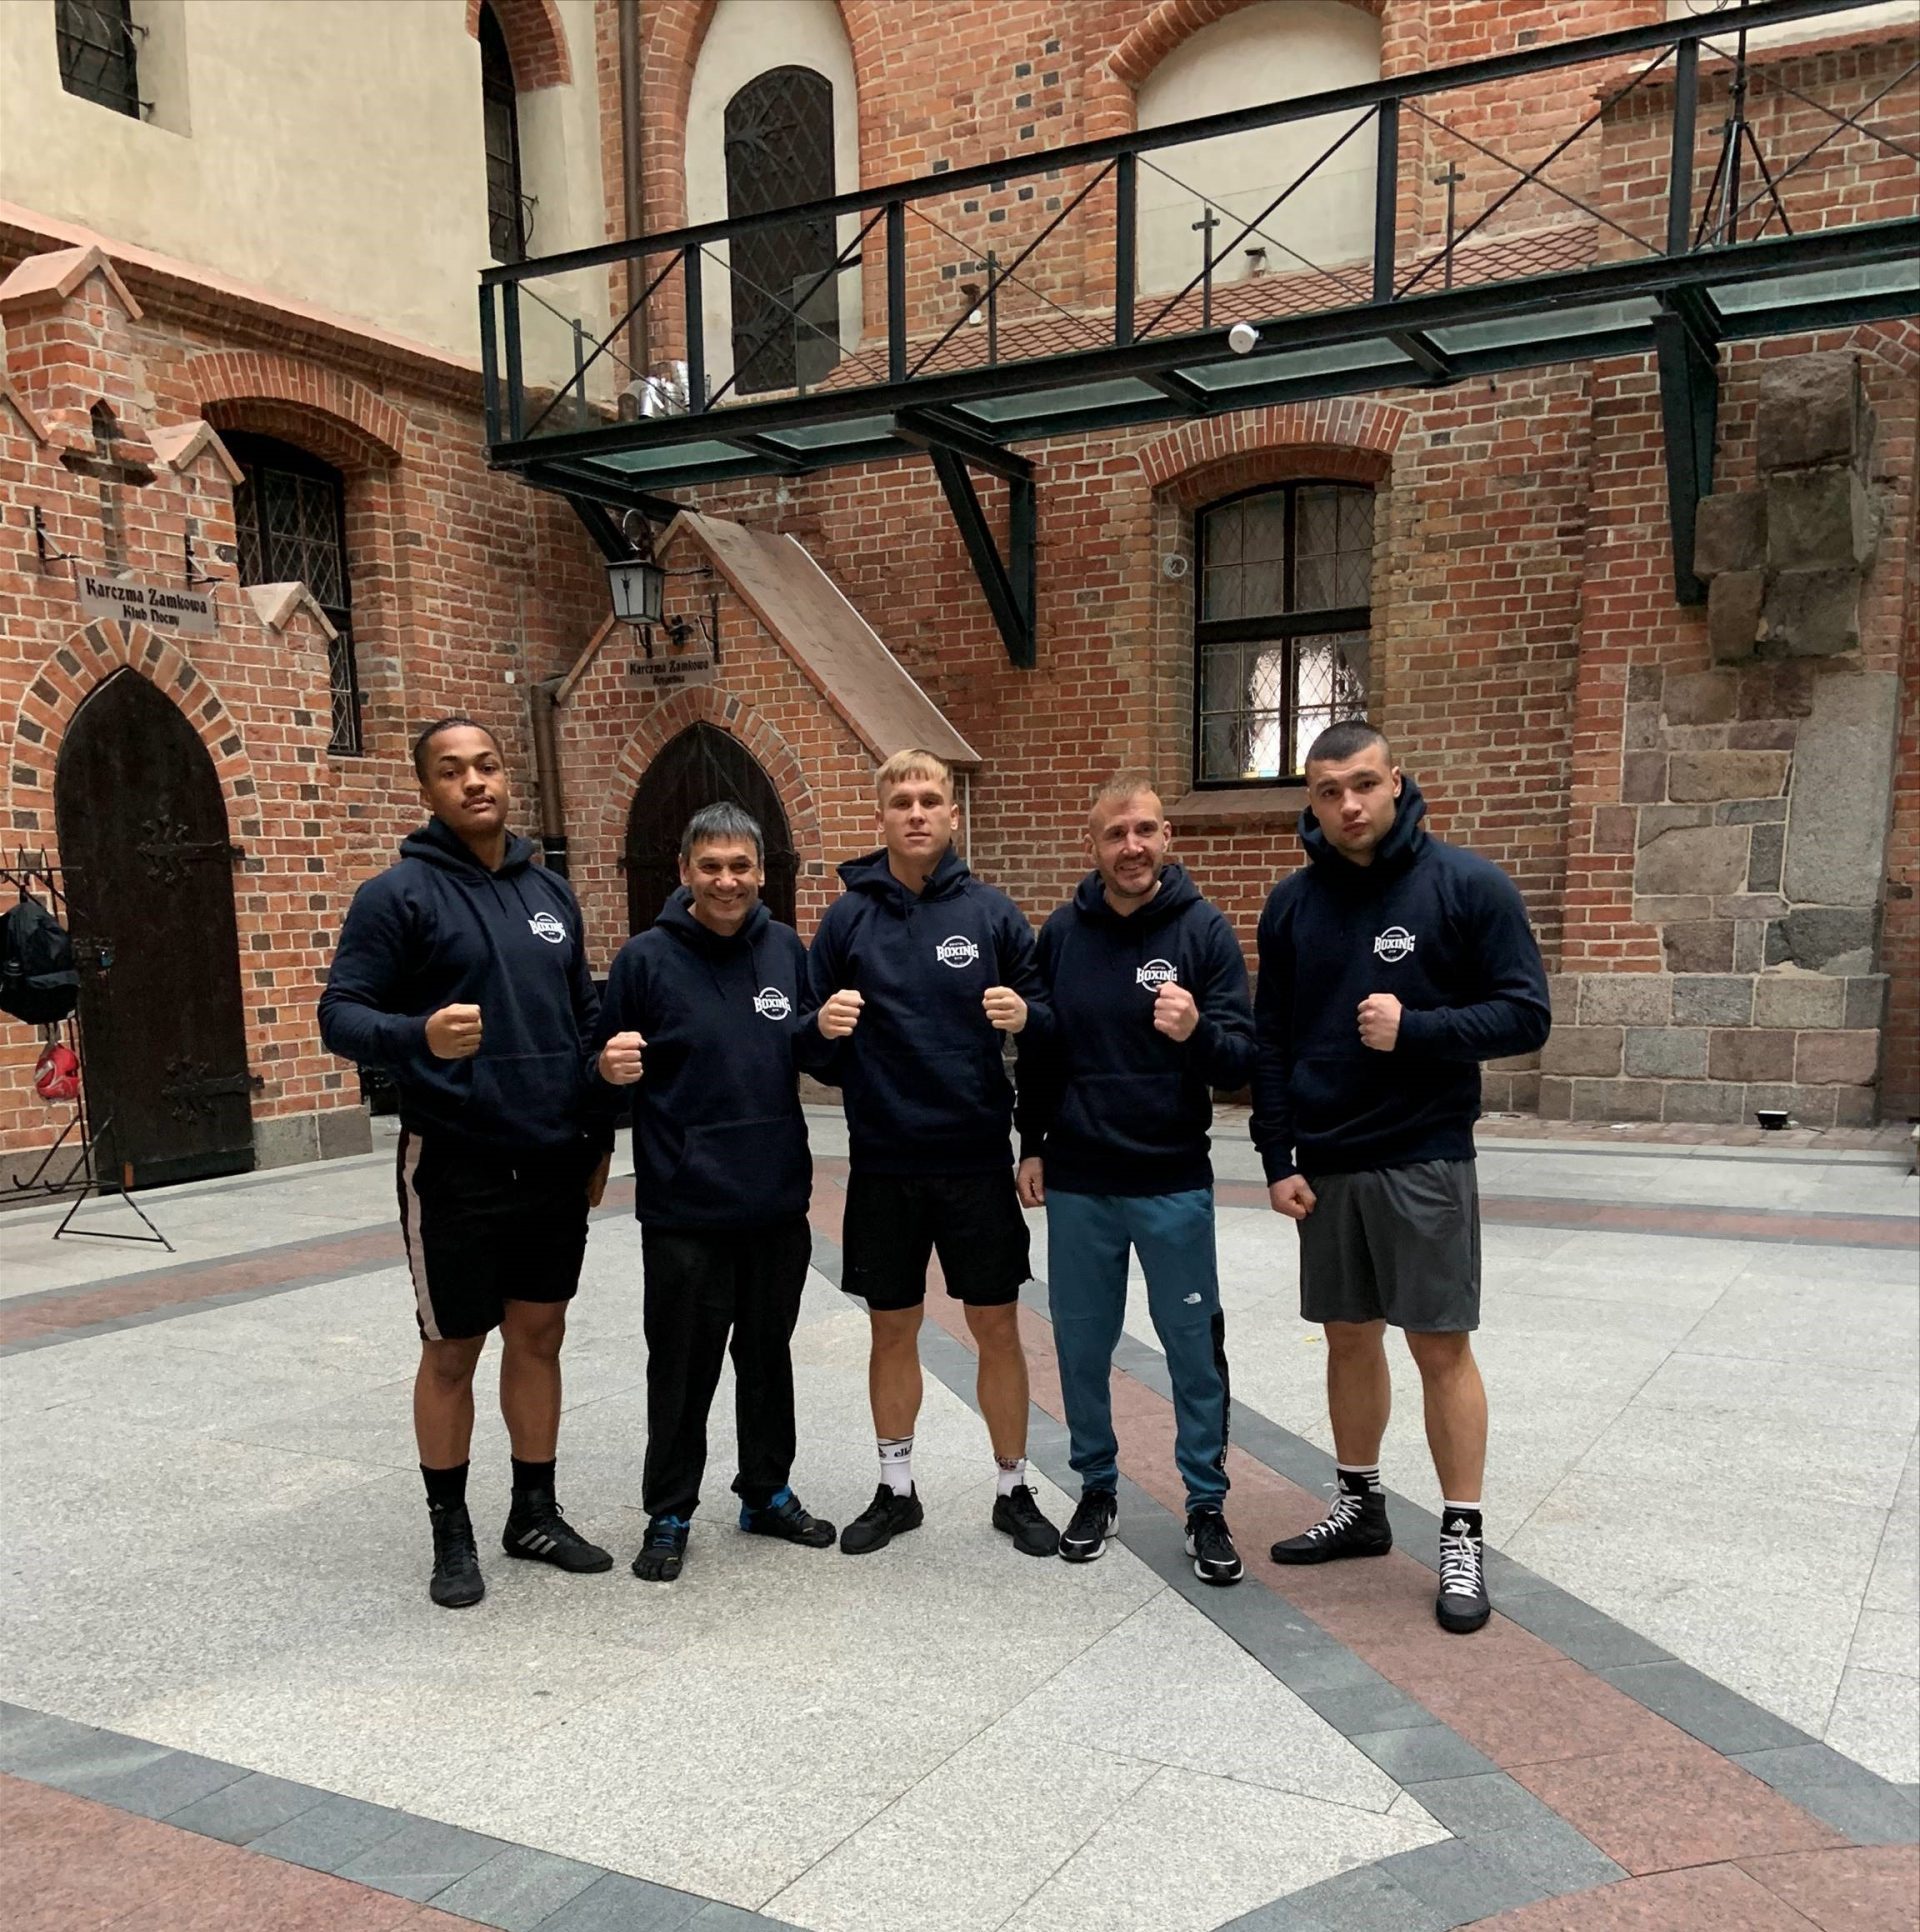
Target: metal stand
x=1721, y=212
x=77, y=1140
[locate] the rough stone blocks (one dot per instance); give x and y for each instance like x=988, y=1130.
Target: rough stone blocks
x=1751, y=1053
x=1734, y=605
x=1838, y=1058
x=1730, y=532
x=1818, y=519
x=1623, y=999
x=1811, y=613
x=1713, y=775
x=1693, y=860
x=1666, y=1052
x=1713, y=1000
x=1799, y=999
x=1585, y=1050
x=1811, y=411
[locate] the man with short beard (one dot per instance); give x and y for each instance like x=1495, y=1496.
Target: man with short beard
x=1391, y=965
x=1148, y=993
x=702, y=1019
x=462, y=970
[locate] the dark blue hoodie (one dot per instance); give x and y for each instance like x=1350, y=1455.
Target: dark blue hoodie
x=439, y=929
x=1447, y=935
x=1110, y=1105
x=719, y=1140
x=923, y=1074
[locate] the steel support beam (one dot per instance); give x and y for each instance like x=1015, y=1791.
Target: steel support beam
x=1689, y=414
x=1424, y=354
x=1008, y=581
x=934, y=429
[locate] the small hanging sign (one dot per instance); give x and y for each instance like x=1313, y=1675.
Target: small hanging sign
x=158, y=606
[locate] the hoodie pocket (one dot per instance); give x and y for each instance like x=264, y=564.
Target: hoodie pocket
x=1136, y=1114
x=532, y=1098
x=957, y=1090
x=741, y=1163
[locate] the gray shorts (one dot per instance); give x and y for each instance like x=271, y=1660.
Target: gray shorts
x=1395, y=1244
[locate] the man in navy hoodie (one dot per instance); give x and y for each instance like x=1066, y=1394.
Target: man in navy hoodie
x=918, y=971
x=1148, y=993
x=1390, y=967
x=703, y=1016
x=462, y=971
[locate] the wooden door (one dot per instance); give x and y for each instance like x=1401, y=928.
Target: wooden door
x=149, y=881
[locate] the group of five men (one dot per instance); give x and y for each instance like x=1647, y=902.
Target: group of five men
x=1389, y=967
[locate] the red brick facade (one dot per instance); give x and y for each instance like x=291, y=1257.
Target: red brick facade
x=1529, y=658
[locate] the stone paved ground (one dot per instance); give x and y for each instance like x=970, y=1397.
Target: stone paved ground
x=234, y=1707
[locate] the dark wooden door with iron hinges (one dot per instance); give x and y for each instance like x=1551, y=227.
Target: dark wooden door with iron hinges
x=149, y=877
x=702, y=766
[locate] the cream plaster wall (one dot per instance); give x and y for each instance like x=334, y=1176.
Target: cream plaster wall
x=746, y=38
x=328, y=150
x=1272, y=51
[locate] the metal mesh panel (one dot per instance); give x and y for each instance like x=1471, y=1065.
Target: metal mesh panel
x=289, y=528
x=98, y=53
x=779, y=147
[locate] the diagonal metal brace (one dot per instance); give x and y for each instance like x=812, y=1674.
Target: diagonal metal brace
x=1686, y=347
x=1008, y=582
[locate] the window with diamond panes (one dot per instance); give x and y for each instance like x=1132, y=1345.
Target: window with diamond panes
x=508, y=220
x=1282, y=627
x=98, y=49
x=290, y=521
x=779, y=146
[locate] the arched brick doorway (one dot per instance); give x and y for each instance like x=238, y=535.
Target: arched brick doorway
x=701, y=766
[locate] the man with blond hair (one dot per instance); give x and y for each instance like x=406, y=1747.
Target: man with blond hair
x=920, y=971
x=1150, y=1013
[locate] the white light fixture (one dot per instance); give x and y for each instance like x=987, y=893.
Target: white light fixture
x=1242, y=338
x=638, y=588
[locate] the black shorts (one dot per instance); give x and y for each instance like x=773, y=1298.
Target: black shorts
x=895, y=1222
x=483, y=1227
x=1394, y=1244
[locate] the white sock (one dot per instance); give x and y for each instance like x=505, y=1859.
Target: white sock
x=1011, y=1474
x=896, y=1464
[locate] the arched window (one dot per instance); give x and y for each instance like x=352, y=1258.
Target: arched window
x=1282, y=629
x=507, y=222
x=290, y=518
x=779, y=148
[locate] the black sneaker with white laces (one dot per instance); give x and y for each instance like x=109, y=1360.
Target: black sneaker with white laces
x=1210, y=1544
x=786, y=1517
x=457, y=1582
x=1016, y=1514
x=663, y=1551
x=1462, y=1605
x=537, y=1531
x=1356, y=1525
x=887, y=1516
x=1095, y=1518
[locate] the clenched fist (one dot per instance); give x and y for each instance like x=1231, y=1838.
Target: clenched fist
x=1006, y=1011
x=1174, y=1012
x=1292, y=1197
x=620, y=1059
x=1030, y=1182
x=1379, y=1022
x=840, y=1015
x=453, y=1033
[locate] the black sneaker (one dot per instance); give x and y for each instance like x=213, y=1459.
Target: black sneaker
x=537, y=1531
x=457, y=1581
x=886, y=1517
x=1462, y=1605
x=1095, y=1518
x=1356, y=1525
x=1016, y=1514
x=786, y=1517
x=1210, y=1544
x=664, y=1551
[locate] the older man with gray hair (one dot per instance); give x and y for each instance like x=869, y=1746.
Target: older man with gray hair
x=702, y=1019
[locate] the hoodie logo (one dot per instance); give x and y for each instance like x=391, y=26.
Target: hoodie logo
x=543, y=925
x=1393, y=945
x=957, y=951
x=1156, y=972
x=772, y=1004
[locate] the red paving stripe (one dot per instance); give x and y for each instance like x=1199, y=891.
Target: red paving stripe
x=70, y=1862
x=1613, y=1217
x=1709, y=1898
x=1868, y=1888
x=1651, y=1797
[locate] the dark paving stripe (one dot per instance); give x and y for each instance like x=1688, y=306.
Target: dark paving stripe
x=110, y=1830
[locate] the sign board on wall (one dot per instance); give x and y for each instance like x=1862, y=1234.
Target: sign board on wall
x=158, y=606
x=666, y=670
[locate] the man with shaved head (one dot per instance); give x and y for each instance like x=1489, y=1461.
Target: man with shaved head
x=1148, y=992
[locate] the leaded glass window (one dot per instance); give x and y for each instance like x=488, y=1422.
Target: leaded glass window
x=507, y=222
x=779, y=146
x=1282, y=629
x=99, y=53
x=290, y=520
